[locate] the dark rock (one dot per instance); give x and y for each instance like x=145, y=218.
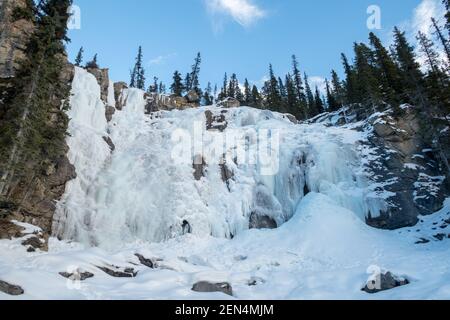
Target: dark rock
x=102, y=76
x=121, y=100
x=199, y=166
x=383, y=282
x=422, y=241
x=109, y=112
x=215, y=122
x=9, y=230
x=10, y=289
x=186, y=226
x=192, y=97
x=146, y=262
x=262, y=222
x=440, y=236
x=204, y=286
x=33, y=243
x=110, y=143
x=77, y=276
x=118, y=272
x=229, y=103
x=291, y=118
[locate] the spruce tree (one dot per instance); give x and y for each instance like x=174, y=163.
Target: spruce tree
x=350, y=81
x=331, y=99
x=224, y=91
x=309, y=97
x=444, y=42
x=411, y=74
x=177, y=87
x=273, y=96
x=93, y=64
x=194, y=83
x=300, y=90
x=256, y=98
x=292, y=104
x=208, y=99
x=338, y=91
x=247, y=93
x=318, y=104
x=79, y=58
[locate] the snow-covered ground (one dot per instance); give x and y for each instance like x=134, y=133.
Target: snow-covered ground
x=139, y=199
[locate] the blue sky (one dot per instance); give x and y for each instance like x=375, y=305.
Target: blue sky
x=241, y=36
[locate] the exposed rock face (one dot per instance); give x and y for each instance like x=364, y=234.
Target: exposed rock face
x=31, y=198
x=109, y=112
x=199, y=166
x=229, y=103
x=384, y=281
x=401, y=162
x=204, y=286
x=157, y=102
x=216, y=121
x=102, y=76
x=10, y=289
x=14, y=36
x=118, y=272
x=121, y=100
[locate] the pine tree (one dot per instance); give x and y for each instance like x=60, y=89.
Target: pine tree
x=232, y=86
x=32, y=129
x=177, y=87
x=208, y=99
x=187, y=82
x=300, y=90
x=318, y=104
x=247, y=93
x=389, y=73
x=93, y=64
x=309, y=97
x=338, y=91
x=194, y=83
x=444, y=42
x=79, y=58
x=256, y=98
x=273, y=96
x=224, y=91
x=331, y=99
x=350, y=81
x=292, y=104
x=410, y=72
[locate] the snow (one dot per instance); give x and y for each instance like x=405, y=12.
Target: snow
x=310, y=178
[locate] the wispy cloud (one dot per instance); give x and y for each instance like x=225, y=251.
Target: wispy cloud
x=244, y=12
x=423, y=13
x=161, y=59
x=319, y=82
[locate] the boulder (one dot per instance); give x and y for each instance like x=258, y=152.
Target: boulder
x=215, y=121
x=192, y=97
x=384, y=281
x=262, y=222
x=12, y=290
x=118, y=272
x=229, y=103
x=77, y=276
x=204, y=286
x=110, y=143
x=146, y=262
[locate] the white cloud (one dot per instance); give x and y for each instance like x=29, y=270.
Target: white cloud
x=244, y=12
x=423, y=13
x=161, y=59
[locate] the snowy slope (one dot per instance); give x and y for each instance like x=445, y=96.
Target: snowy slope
x=138, y=198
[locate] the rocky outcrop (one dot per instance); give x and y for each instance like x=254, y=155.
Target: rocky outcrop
x=262, y=222
x=204, y=286
x=10, y=289
x=118, y=272
x=199, y=166
x=102, y=76
x=30, y=195
x=119, y=96
x=384, y=281
x=216, y=121
x=158, y=102
x=77, y=275
x=229, y=103
x=14, y=35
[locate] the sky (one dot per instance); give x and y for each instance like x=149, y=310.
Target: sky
x=235, y=36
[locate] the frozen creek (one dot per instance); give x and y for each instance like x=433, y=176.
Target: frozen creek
x=144, y=198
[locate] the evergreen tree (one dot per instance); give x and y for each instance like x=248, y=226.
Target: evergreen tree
x=300, y=90
x=338, y=91
x=309, y=97
x=162, y=88
x=273, y=96
x=388, y=71
x=177, y=87
x=256, y=98
x=154, y=88
x=410, y=72
x=331, y=99
x=292, y=104
x=93, y=64
x=194, y=83
x=318, y=104
x=350, y=81
x=444, y=42
x=247, y=93
x=79, y=58
x=233, y=86
x=208, y=99
x=32, y=129
x=224, y=91
x=187, y=82
x=138, y=74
